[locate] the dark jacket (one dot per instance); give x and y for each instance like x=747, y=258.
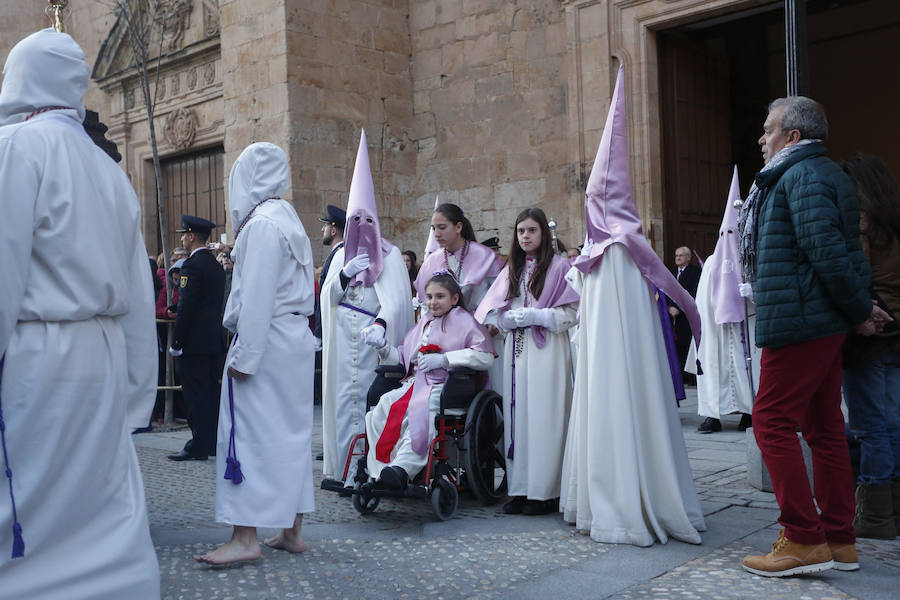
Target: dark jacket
x=689, y=280
x=317, y=329
x=198, y=321
x=812, y=276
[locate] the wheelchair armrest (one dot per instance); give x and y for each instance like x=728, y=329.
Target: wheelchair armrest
x=461, y=386
x=390, y=371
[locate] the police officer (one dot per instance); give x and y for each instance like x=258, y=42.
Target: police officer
x=198, y=337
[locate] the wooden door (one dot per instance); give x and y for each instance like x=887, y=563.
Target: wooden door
x=194, y=185
x=696, y=140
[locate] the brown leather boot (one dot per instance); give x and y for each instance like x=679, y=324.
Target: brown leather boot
x=844, y=556
x=790, y=558
x=874, y=512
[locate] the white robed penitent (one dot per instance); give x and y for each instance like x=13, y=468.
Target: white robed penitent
x=271, y=298
x=348, y=364
x=78, y=336
x=626, y=476
x=728, y=356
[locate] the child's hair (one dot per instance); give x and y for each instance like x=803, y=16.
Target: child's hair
x=517, y=255
x=449, y=283
x=455, y=215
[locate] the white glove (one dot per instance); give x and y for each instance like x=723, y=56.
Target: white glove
x=317, y=344
x=746, y=291
x=416, y=303
x=357, y=264
x=430, y=362
x=175, y=353
x=507, y=320
x=373, y=335
x=586, y=249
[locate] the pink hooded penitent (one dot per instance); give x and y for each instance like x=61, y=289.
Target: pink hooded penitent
x=727, y=303
x=362, y=234
x=611, y=215
x=431, y=245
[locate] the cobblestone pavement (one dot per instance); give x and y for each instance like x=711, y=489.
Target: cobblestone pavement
x=401, y=551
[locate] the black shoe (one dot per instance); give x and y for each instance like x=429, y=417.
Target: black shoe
x=394, y=478
x=710, y=425
x=514, y=506
x=746, y=422
x=184, y=455
x=540, y=507
x=320, y=456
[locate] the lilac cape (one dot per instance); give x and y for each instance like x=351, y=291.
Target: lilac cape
x=671, y=352
x=611, y=216
x=556, y=292
x=456, y=330
x=725, y=277
x=481, y=262
x=362, y=229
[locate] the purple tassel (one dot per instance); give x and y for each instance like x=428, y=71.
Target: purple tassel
x=512, y=445
x=233, y=470
x=699, y=370
x=18, y=549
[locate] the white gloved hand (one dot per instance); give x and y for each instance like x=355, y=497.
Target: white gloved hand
x=543, y=317
x=317, y=344
x=175, y=353
x=586, y=249
x=746, y=291
x=507, y=320
x=373, y=335
x=430, y=362
x=416, y=303
x=356, y=265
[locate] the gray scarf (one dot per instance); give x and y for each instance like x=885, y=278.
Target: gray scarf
x=748, y=241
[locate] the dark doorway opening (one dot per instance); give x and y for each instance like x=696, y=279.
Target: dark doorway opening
x=718, y=76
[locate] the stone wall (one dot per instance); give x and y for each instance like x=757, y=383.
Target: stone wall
x=490, y=85
x=347, y=69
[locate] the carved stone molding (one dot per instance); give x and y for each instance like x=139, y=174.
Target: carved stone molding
x=211, y=17
x=128, y=100
x=181, y=128
x=209, y=73
x=191, y=78
x=176, y=14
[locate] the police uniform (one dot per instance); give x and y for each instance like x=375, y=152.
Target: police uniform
x=492, y=243
x=198, y=335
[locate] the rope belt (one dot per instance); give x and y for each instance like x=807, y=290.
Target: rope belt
x=357, y=309
x=232, y=466
x=18, y=548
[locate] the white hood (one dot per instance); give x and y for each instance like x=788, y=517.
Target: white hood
x=45, y=69
x=262, y=172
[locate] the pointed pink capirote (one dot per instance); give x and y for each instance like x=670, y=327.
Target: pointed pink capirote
x=727, y=303
x=611, y=216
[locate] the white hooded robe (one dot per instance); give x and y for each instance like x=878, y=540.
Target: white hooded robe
x=626, y=477
x=78, y=334
x=271, y=298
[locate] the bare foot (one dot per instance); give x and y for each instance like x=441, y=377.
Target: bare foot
x=287, y=542
x=231, y=553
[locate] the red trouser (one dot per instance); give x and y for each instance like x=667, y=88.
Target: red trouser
x=800, y=387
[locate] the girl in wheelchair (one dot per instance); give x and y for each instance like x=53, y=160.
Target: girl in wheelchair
x=400, y=428
x=533, y=306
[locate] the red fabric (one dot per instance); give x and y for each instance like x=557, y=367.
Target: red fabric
x=161, y=305
x=391, y=432
x=800, y=388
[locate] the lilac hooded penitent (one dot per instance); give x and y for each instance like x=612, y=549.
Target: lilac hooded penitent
x=431, y=245
x=725, y=277
x=611, y=216
x=362, y=234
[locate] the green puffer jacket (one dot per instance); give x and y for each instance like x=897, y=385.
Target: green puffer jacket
x=812, y=276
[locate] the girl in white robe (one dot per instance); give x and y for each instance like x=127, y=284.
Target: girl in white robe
x=401, y=427
x=534, y=307
x=474, y=265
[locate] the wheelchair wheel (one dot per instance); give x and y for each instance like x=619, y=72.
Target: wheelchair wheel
x=364, y=504
x=444, y=499
x=485, y=458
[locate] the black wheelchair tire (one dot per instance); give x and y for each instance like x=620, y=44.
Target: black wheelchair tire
x=484, y=443
x=364, y=504
x=444, y=499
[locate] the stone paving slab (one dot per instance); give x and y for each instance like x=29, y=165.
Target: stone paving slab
x=402, y=551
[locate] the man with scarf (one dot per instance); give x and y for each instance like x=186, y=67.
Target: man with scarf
x=77, y=340
x=264, y=456
x=371, y=283
x=802, y=262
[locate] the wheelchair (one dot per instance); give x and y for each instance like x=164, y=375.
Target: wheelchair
x=466, y=453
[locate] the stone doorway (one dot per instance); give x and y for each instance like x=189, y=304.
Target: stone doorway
x=194, y=185
x=717, y=76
